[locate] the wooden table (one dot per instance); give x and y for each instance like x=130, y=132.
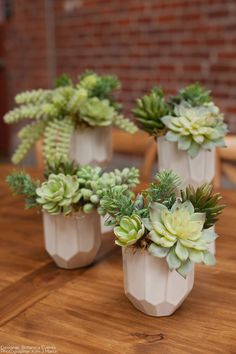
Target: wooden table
x=44, y=309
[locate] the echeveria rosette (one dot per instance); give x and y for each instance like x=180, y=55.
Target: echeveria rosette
x=58, y=194
x=178, y=235
x=97, y=112
x=89, y=81
x=195, y=128
x=130, y=230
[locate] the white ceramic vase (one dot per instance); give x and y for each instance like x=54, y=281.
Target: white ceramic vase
x=72, y=241
x=151, y=286
x=91, y=146
x=194, y=171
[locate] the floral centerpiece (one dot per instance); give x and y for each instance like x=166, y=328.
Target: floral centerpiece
x=70, y=199
x=188, y=127
x=163, y=233
x=71, y=119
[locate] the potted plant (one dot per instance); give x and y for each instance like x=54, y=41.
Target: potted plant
x=70, y=198
x=71, y=119
x=163, y=233
x=188, y=126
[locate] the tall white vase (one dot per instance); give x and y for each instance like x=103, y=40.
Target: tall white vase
x=151, y=286
x=91, y=146
x=194, y=171
x=72, y=241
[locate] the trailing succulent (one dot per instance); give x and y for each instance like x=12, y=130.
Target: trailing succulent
x=55, y=114
x=65, y=193
x=190, y=118
x=165, y=224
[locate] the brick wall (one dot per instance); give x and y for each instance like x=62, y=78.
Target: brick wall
x=144, y=42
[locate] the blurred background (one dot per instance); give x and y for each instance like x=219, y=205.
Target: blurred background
x=144, y=42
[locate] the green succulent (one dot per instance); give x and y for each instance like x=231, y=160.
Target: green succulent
x=58, y=194
x=149, y=111
x=97, y=112
x=21, y=183
x=195, y=128
x=89, y=81
x=205, y=201
x=61, y=166
x=130, y=230
x=194, y=94
x=55, y=114
x=178, y=235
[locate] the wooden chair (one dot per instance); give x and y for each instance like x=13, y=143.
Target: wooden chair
x=139, y=144
x=225, y=157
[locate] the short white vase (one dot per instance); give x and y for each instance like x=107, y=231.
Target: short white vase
x=151, y=286
x=91, y=146
x=194, y=171
x=72, y=241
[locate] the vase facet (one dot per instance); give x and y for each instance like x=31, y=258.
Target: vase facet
x=72, y=241
x=91, y=146
x=151, y=286
x=195, y=171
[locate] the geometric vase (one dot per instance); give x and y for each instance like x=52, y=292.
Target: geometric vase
x=72, y=241
x=149, y=284
x=91, y=146
x=194, y=171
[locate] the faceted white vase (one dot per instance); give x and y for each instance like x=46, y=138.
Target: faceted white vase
x=72, y=241
x=194, y=171
x=91, y=146
x=151, y=286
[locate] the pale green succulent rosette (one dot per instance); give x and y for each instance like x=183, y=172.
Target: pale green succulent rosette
x=97, y=112
x=89, y=81
x=130, y=230
x=195, y=128
x=58, y=194
x=178, y=235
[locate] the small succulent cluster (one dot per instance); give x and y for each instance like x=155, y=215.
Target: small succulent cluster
x=83, y=190
x=190, y=118
x=167, y=225
x=57, y=113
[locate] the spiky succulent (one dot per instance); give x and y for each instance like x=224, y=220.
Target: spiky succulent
x=178, y=235
x=58, y=194
x=21, y=183
x=204, y=200
x=195, y=128
x=194, y=94
x=58, y=112
x=149, y=111
x=163, y=190
x=130, y=230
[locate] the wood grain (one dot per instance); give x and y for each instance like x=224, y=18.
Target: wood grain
x=86, y=312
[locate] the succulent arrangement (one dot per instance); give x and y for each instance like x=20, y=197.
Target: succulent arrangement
x=165, y=222
x=55, y=114
x=190, y=118
x=65, y=193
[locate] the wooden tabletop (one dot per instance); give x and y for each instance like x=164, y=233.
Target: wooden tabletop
x=44, y=309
